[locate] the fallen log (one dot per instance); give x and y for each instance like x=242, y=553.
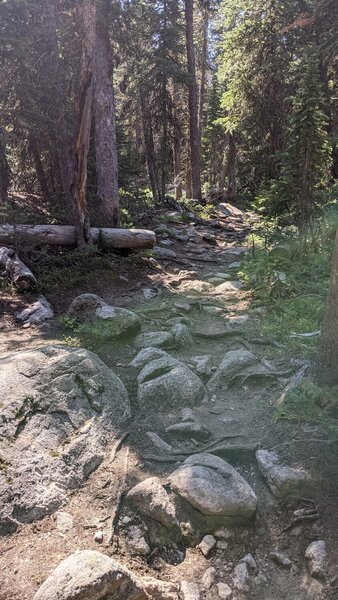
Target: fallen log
x=16, y=270
x=64, y=235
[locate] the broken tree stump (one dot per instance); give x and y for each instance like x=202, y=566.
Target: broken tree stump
x=64, y=235
x=16, y=270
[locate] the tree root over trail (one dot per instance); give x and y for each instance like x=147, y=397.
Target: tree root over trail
x=118, y=506
x=227, y=451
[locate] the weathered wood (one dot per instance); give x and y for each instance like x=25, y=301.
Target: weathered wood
x=64, y=235
x=16, y=270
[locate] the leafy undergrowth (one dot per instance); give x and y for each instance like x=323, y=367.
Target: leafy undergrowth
x=288, y=275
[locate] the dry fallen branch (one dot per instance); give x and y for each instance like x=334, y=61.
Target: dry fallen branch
x=297, y=520
x=117, y=446
x=118, y=504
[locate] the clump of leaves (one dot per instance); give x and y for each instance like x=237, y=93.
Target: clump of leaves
x=312, y=404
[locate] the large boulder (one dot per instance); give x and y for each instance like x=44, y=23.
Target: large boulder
x=233, y=363
x=90, y=575
x=167, y=382
x=103, y=320
x=57, y=405
x=214, y=487
x=282, y=479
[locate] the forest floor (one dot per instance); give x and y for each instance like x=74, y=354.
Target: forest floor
x=184, y=288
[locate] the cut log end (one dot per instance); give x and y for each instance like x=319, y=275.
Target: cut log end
x=16, y=270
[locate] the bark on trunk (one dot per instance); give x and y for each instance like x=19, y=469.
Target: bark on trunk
x=205, y=27
x=4, y=172
x=16, y=270
x=82, y=223
x=328, y=355
x=105, y=127
x=65, y=235
x=232, y=168
x=149, y=146
x=177, y=166
x=40, y=173
x=195, y=142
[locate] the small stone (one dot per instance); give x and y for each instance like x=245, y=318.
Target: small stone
x=222, y=545
x=181, y=335
x=188, y=415
x=202, y=364
x=249, y=560
x=224, y=591
x=183, y=306
x=126, y=520
x=281, y=559
x=163, y=252
x=98, y=537
x=64, y=521
x=160, y=590
x=189, y=591
x=149, y=293
x=224, y=534
x=235, y=265
x=207, y=544
x=241, y=577
x=316, y=559
x=209, y=578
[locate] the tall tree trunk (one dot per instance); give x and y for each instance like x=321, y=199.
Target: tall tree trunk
x=328, y=355
x=4, y=172
x=149, y=145
x=232, y=168
x=85, y=110
x=63, y=138
x=177, y=164
x=40, y=172
x=195, y=142
x=105, y=127
x=204, y=61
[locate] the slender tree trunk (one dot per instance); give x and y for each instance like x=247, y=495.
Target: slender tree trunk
x=232, y=168
x=177, y=164
x=149, y=146
x=85, y=110
x=40, y=173
x=63, y=138
x=188, y=180
x=328, y=355
x=205, y=27
x=195, y=142
x=105, y=127
x=4, y=172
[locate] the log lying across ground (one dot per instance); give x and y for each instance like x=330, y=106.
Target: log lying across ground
x=64, y=235
x=16, y=270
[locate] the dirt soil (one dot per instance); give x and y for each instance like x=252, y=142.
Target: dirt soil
x=247, y=412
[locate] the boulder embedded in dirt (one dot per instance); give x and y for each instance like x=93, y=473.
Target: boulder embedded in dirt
x=145, y=356
x=155, y=339
x=316, y=559
x=160, y=590
x=57, y=405
x=181, y=335
x=202, y=364
x=233, y=363
x=152, y=499
x=163, y=252
x=282, y=480
x=83, y=307
x=90, y=575
x=36, y=313
x=214, y=487
x=167, y=382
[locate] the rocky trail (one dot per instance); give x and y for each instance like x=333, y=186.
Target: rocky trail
x=140, y=456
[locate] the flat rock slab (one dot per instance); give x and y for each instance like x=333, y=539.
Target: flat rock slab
x=36, y=313
x=166, y=382
x=90, y=575
x=282, y=480
x=214, y=487
x=155, y=339
x=57, y=405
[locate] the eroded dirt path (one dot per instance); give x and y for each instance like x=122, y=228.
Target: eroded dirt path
x=195, y=288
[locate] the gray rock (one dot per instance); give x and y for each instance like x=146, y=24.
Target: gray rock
x=189, y=591
x=212, y=310
x=282, y=480
x=147, y=355
x=182, y=306
x=249, y=560
x=90, y=575
x=163, y=252
x=166, y=243
x=196, y=287
x=241, y=577
x=116, y=322
x=98, y=537
x=233, y=363
x=155, y=339
x=214, y=487
x=281, y=559
x=167, y=382
x=224, y=591
x=36, y=313
x=181, y=335
x=57, y=405
x=158, y=442
x=136, y=541
x=192, y=430
x=188, y=415
x=152, y=499
x=202, y=364
x=160, y=590
x=228, y=287
x=235, y=265
x=222, y=545
x=207, y=544
x=63, y=521
x=149, y=293
x=316, y=559
x=224, y=534
x=84, y=307
x=209, y=578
